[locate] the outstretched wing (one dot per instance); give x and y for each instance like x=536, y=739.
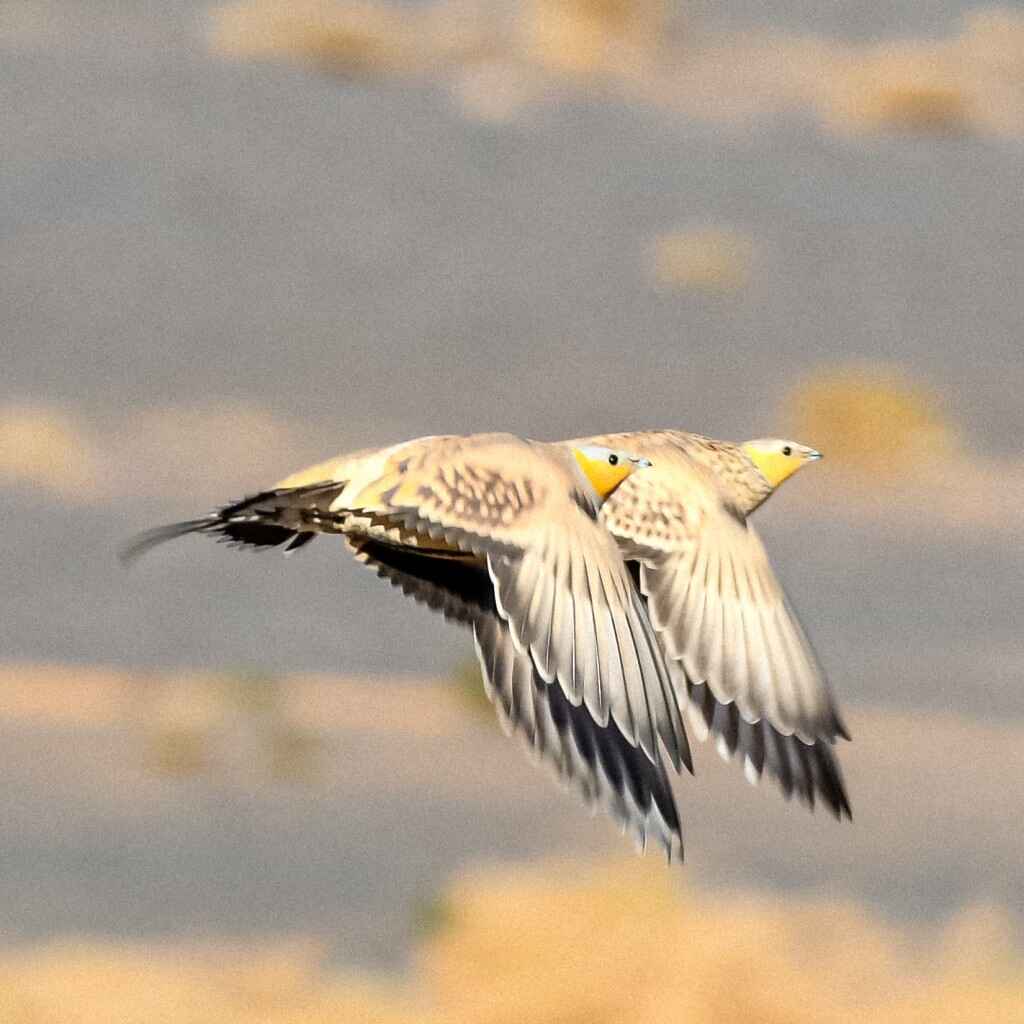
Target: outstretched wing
x=518, y=507
x=559, y=580
x=723, y=617
x=596, y=761
x=809, y=770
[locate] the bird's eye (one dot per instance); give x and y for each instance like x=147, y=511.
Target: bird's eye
x=787, y=450
x=613, y=459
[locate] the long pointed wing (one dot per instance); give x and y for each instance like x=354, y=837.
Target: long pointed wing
x=809, y=770
x=559, y=580
x=558, y=577
x=596, y=761
x=721, y=614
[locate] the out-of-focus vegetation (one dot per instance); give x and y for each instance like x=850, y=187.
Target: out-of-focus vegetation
x=42, y=446
x=707, y=259
x=593, y=36
x=902, y=457
x=555, y=943
x=355, y=39
x=172, y=451
x=203, y=724
x=498, y=62
x=969, y=82
x=872, y=419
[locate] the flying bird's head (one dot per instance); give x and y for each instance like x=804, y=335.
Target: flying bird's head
x=606, y=468
x=777, y=459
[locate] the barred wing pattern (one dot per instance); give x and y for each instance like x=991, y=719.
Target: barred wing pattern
x=559, y=580
x=751, y=676
x=596, y=761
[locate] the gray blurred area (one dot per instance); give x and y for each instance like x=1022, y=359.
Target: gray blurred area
x=143, y=817
x=357, y=257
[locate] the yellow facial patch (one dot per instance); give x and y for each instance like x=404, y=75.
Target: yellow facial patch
x=772, y=461
x=604, y=469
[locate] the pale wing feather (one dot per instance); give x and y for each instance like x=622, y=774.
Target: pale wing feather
x=597, y=762
x=593, y=636
x=724, y=620
x=558, y=576
x=709, y=584
x=733, y=628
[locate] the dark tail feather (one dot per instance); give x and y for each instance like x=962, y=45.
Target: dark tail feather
x=266, y=520
x=143, y=542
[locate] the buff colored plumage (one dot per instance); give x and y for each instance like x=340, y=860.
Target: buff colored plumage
x=502, y=534
x=722, y=618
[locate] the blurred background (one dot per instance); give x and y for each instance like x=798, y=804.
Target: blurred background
x=237, y=239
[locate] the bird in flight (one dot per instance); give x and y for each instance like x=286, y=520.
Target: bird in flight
x=502, y=534
x=744, y=665
x=612, y=585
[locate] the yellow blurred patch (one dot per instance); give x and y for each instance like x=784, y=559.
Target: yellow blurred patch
x=349, y=38
x=84, y=695
x=558, y=942
x=535, y=50
x=905, y=462
x=43, y=446
x=903, y=101
x=632, y=945
x=356, y=38
x=707, y=259
x=221, y=447
x=589, y=36
x=941, y=87
x=871, y=419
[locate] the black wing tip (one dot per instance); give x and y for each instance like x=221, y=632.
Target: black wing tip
x=835, y=800
x=684, y=757
x=826, y=782
x=799, y=768
x=652, y=825
x=670, y=841
x=839, y=803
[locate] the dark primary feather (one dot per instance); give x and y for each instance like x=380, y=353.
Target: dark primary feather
x=457, y=586
x=597, y=761
x=808, y=769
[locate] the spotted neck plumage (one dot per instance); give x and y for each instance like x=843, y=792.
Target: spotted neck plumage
x=745, y=488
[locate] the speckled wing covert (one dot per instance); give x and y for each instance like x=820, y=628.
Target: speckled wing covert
x=524, y=511
x=724, y=621
x=595, y=761
x=559, y=580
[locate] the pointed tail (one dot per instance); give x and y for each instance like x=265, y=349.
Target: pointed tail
x=290, y=516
